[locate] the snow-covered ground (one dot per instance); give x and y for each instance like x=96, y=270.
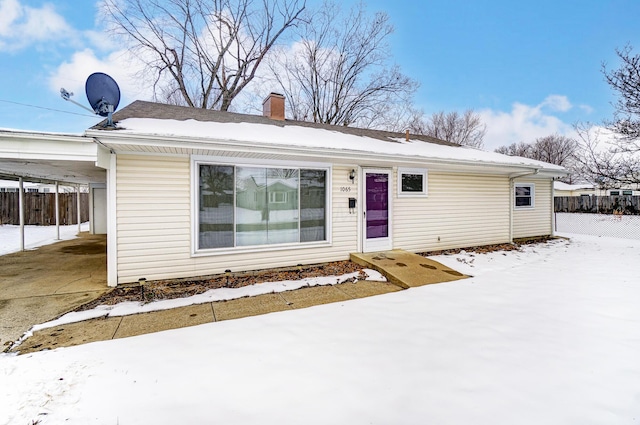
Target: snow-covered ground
x=35, y=236
x=549, y=335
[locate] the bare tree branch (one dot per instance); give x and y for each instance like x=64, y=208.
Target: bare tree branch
x=603, y=162
x=202, y=53
x=338, y=72
x=466, y=129
x=554, y=149
x=626, y=82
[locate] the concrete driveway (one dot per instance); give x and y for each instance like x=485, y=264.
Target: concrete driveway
x=40, y=285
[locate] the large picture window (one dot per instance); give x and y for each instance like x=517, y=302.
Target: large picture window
x=245, y=206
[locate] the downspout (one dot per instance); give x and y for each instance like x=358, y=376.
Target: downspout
x=512, y=196
x=553, y=208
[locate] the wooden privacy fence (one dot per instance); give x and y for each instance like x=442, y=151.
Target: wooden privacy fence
x=598, y=204
x=40, y=208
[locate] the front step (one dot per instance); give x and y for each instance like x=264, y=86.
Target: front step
x=405, y=269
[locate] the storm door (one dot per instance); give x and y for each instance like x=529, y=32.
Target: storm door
x=377, y=207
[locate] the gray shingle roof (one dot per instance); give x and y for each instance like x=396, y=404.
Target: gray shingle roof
x=143, y=109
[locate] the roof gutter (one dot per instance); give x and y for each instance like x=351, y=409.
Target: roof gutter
x=111, y=140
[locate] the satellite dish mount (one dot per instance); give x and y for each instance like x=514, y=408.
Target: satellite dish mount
x=103, y=95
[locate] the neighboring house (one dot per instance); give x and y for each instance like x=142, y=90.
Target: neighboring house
x=565, y=189
x=13, y=186
x=195, y=192
x=586, y=189
x=624, y=190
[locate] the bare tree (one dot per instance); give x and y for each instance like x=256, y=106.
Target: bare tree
x=202, y=53
x=626, y=82
x=339, y=72
x=554, y=149
x=603, y=161
x=464, y=129
x=610, y=157
x=516, y=149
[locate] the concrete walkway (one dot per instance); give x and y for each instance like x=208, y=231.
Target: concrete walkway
x=157, y=321
x=39, y=285
x=402, y=269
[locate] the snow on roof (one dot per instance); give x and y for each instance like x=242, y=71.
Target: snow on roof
x=557, y=185
x=321, y=138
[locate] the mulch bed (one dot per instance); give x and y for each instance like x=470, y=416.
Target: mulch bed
x=179, y=288
x=483, y=249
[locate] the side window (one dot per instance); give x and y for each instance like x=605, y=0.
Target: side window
x=524, y=195
x=412, y=182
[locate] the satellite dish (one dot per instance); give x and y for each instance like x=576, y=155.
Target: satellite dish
x=103, y=95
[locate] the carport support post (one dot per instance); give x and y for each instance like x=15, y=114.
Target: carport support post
x=21, y=210
x=57, y=211
x=78, y=207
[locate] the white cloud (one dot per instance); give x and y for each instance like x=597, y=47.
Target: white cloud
x=73, y=74
x=586, y=108
x=21, y=26
x=557, y=103
x=10, y=11
x=525, y=123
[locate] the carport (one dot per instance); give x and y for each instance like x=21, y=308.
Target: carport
x=40, y=285
x=57, y=159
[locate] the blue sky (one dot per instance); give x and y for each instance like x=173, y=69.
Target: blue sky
x=529, y=68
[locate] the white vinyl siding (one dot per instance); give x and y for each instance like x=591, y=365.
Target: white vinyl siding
x=154, y=225
x=461, y=210
x=153, y=216
x=536, y=221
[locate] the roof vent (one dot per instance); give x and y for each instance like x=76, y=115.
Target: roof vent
x=273, y=106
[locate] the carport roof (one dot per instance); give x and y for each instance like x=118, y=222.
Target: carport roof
x=49, y=157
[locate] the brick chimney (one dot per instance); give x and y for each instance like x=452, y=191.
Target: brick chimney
x=273, y=107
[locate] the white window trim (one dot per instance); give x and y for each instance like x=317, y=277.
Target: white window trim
x=196, y=160
x=425, y=182
x=533, y=196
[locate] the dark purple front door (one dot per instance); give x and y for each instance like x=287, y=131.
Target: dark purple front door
x=377, y=205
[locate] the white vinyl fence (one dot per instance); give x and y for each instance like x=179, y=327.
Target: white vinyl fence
x=617, y=226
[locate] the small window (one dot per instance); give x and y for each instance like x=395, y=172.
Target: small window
x=524, y=193
x=615, y=193
x=627, y=192
x=412, y=182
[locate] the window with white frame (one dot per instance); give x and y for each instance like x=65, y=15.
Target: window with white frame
x=251, y=206
x=524, y=195
x=412, y=182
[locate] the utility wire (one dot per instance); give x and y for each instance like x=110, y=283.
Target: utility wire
x=48, y=109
